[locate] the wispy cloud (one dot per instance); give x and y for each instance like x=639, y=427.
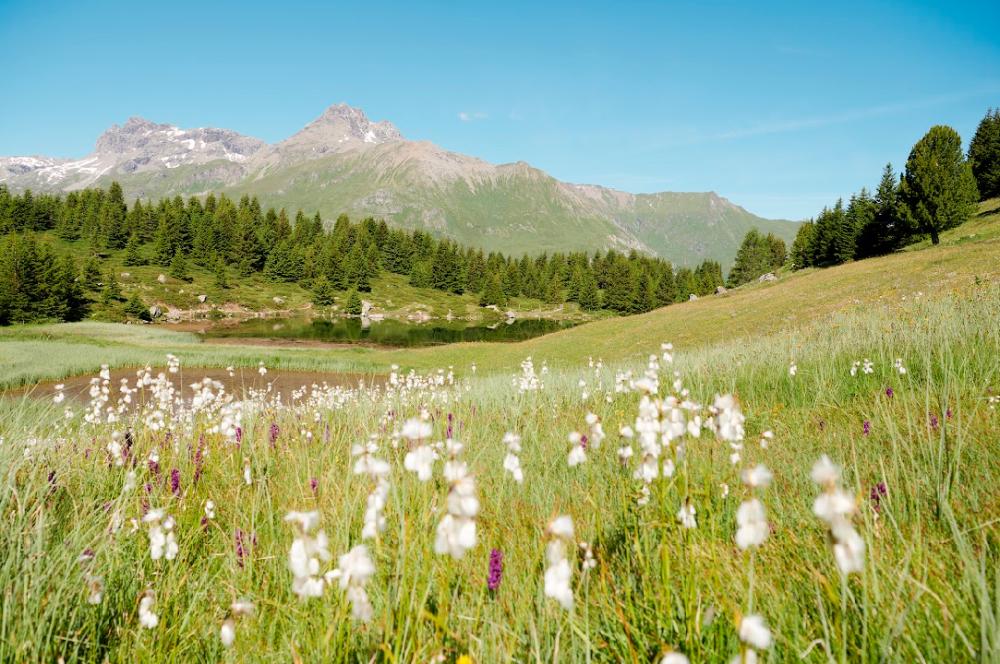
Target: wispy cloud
x=844, y=117
x=467, y=116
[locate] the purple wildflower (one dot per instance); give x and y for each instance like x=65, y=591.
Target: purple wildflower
x=496, y=569
x=583, y=441
x=175, y=482
x=204, y=523
x=240, y=551
x=947, y=414
x=239, y=435
x=274, y=432
x=876, y=494
x=154, y=468
x=889, y=392
x=867, y=427
x=199, y=462
x=314, y=485
x=934, y=421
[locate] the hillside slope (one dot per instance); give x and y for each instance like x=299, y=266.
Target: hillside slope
x=966, y=263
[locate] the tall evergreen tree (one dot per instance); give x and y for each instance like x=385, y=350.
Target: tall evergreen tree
x=984, y=155
x=938, y=187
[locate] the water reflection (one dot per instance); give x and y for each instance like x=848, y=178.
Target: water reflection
x=385, y=332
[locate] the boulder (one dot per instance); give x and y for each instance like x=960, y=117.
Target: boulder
x=202, y=298
x=126, y=275
x=767, y=277
x=162, y=278
x=278, y=300
x=155, y=312
x=366, y=308
x=692, y=297
x=720, y=290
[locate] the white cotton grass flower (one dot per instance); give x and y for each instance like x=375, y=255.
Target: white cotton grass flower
x=558, y=573
x=754, y=632
x=686, y=515
x=758, y=477
x=420, y=460
x=456, y=532
x=752, y=527
x=162, y=543
x=261, y=369
x=247, y=477
x=59, y=395
x=95, y=589
x=353, y=571
x=674, y=657
x=147, y=618
x=227, y=632
x=836, y=508
x=793, y=369
x=577, y=453
x=209, y=509
x=898, y=366
x=589, y=562
x=307, y=553
x=512, y=460
x=416, y=429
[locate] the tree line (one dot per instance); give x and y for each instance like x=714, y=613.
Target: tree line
x=236, y=239
x=938, y=189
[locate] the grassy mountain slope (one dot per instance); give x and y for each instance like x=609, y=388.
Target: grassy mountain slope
x=968, y=257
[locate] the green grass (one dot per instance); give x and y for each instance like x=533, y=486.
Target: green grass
x=930, y=590
x=797, y=300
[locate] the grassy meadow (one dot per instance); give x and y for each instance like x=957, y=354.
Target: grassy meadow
x=915, y=438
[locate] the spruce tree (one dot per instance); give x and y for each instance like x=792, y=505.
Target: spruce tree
x=802, y=247
x=589, y=296
x=353, y=307
x=219, y=272
x=493, y=292
x=178, y=267
x=938, y=187
x=133, y=252
x=112, y=292
x=135, y=308
x=91, y=276
x=666, y=290
x=322, y=292
x=984, y=155
x=111, y=218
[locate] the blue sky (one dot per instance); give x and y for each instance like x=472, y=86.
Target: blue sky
x=780, y=107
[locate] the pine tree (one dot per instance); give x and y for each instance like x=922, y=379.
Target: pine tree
x=802, y=248
x=353, y=307
x=553, y=292
x=619, y=295
x=420, y=274
x=938, y=186
x=322, y=292
x=111, y=218
x=589, y=297
x=91, y=276
x=666, y=290
x=133, y=252
x=754, y=258
x=135, y=308
x=219, y=272
x=178, y=267
x=112, y=292
x=984, y=155
x=493, y=292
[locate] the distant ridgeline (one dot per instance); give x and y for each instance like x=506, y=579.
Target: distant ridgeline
x=240, y=239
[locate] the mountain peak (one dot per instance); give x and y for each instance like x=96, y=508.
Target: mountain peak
x=342, y=124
